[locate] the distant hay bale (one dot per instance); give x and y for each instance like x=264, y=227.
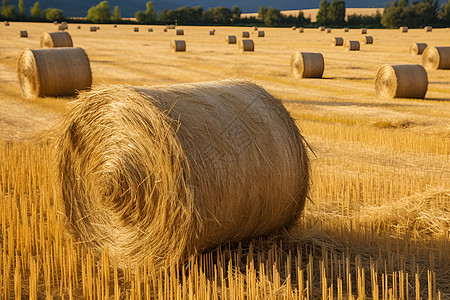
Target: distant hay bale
x=436, y=58
x=180, y=32
x=301, y=29
x=115, y=25
x=178, y=46
x=6, y=23
x=401, y=81
x=23, y=33
x=404, y=29
x=53, y=72
x=328, y=30
x=62, y=27
x=294, y=27
x=93, y=29
x=322, y=28
x=246, y=45
x=212, y=32
x=55, y=23
x=363, y=30
x=352, y=46
x=78, y=27
x=337, y=41
x=417, y=48
x=428, y=28
x=98, y=27
x=171, y=26
x=136, y=29
x=56, y=39
x=150, y=30
x=245, y=34
x=367, y=39
x=261, y=33
x=346, y=29
x=307, y=65
x=166, y=172
x=64, y=23
x=165, y=29
x=255, y=28
x=231, y=39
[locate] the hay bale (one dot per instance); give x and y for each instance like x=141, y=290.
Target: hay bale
x=363, y=30
x=301, y=29
x=53, y=72
x=337, y=41
x=231, y=39
x=165, y=29
x=328, y=30
x=93, y=29
x=245, y=34
x=23, y=33
x=255, y=28
x=428, y=28
x=403, y=29
x=115, y=25
x=55, y=23
x=98, y=27
x=401, y=81
x=322, y=28
x=78, y=27
x=150, y=30
x=178, y=46
x=212, y=32
x=352, y=46
x=64, y=23
x=346, y=29
x=261, y=33
x=417, y=48
x=367, y=39
x=166, y=172
x=293, y=27
x=171, y=26
x=56, y=39
x=307, y=65
x=436, y=58
x=62, y=27
x=136, y=29
x=246, y=45
x=6, y=23
x=180, y=32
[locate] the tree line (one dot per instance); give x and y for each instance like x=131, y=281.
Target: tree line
x=398, y=13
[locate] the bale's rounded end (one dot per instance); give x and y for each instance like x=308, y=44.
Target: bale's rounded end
x=307, y=65
x=401, y=81
x=434, y=58
x=27, y=74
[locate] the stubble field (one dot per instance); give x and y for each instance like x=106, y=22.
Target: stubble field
x=377, y=225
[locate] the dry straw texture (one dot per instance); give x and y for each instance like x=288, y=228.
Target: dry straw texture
x=363, y=30
x=53, y=72
x=417, y=48
x=337, y=41
x=136, y=29
x=23, y=33
x=404, y=29
x=56, y=39
x=168, y=171
x=178, y=46
x=93, y=28
x=401, y=81
x=436, y=58
x=428, y=28
x=180, y=32
x=231, y=39
x=246, y=45
x=352, y=46
x=261, y=33
x=307, y=65
x=367, y=39
x=245, y=34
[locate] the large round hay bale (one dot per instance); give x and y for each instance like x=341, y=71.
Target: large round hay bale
x=245, y=34
x=428, y=28
x=307, y=65
x=337, y=41
x=436, y=58
x=136, y=29
x=367, y=39
x=93, y=29
x=56, y=39
x=363, y=30
x=231, y=39
x=401, y=81
x=261, y=33
x=417, y=48
x=246, y=45
x=352, y=46
x=53, y=72
x=178, y=46
x=23, y=33
x=165, y=172
x=404, y=29
x=180, y=32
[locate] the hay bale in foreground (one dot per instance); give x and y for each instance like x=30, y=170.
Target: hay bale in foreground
x=337, y=41
x=261, y=33
x=93, y=29
x=417, y=48
x=363, y=30
x=180, y=32
x=428, y=28
x=23, y=33
x=404, y=29
x=401, y=81
x=367, y=39
x=352, y=46
x=231, y=39
x=55, y=39
x=245, y=34
x=165, y=172
x=436, y=58
x=178, y=46
x=246, y=45
x=307, y=65
x=53, y=72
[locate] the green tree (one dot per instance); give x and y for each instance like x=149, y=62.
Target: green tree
x=117, y=15
x=391, y=15
x=222, y=15
x=322, y=14
x=236, y=13
x=445, y=13
x=36, y=11
x=197, y=12
x=8, y=11
x=21, y=7
x=54, y=14
x=272, y=17
x=207, y=16
x=184, y=15
x=149, y=16
x=100, y=13
x=262, y=12
x=336, y=12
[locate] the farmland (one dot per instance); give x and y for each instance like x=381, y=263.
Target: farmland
x=378, y=221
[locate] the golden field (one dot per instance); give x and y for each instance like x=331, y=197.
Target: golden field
x=377, y=225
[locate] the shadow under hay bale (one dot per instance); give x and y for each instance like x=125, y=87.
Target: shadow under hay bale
x=307, y=65
x=53, y=72
x=434, y=58
x=246, y=45
x=55, y=39
x=171, y=171
x=231, y=39
x=178, y=46
x=401, y=81
x=417, y=48
x=337, y=41
x=367, y=39
x=352, y=46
